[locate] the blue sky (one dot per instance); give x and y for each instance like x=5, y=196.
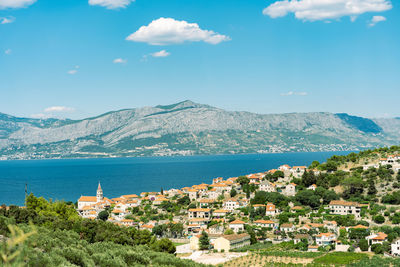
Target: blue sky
x=79, y=58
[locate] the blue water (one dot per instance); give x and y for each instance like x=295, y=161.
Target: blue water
x=68, y=179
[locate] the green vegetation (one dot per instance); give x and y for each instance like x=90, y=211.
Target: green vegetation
x=65, y=239
x=204, y=242
x=340, y=258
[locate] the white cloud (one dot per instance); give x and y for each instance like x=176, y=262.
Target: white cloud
x=15, y=3
x=8, y=52
x=120, y=61
x=290, y=93
x=312, y=10
x=375, y=20
x=6, y=20
x=111, y=4
x=73, y=71
x=161, y=53
x=58, y=109
x=164, y=31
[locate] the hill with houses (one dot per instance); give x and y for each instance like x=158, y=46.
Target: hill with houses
x=349, y=203
x=343, y=211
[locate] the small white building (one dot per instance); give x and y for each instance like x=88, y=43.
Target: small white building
x=290, y=189
x=312, y=187
x=220, y=213
x=193, y=194
x=377, y=238
x=325, y=239
x=228, y=242
x=230, y=204
x=340, y=207
x=267, y=186
x=396, y=247
x=199, y=213
x=287, y=227
x=237, y=226
x=265, y=223
x=270, y=210
x=298, y=171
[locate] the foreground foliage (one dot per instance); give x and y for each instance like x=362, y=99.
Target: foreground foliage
x=56, y=236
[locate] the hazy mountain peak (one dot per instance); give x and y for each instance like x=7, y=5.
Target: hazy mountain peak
x=183, y=104
x=190, y=128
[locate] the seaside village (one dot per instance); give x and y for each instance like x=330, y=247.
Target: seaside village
x=220, y=209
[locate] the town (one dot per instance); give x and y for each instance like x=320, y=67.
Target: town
x=350, y=203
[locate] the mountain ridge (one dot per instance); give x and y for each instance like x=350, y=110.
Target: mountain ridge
x=189, y=128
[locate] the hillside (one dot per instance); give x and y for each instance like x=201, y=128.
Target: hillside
x=189, y=128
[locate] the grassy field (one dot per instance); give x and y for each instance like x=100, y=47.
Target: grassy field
x=340, y=258
x=178, y=244
x=311, y=259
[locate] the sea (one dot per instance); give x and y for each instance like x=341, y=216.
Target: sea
x=68, y=179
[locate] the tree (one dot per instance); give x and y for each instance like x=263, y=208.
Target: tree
x=162, y=191
x=204, y=242
x=329, y=195
x=242, y=180
x=308, y=198
x=379, y=219
x=377, y=248
x=184, y=201
x=278, y=174
x=164, y=245
x=371, y=188
x=283, y=218
x=363, y=244
x=358, y=234
x=229, y=232
x=252, y=234
x=159, y=230
x=308, y=178
x=354, y=187
x=233, y=192
x=314, y=165
x=103, y=215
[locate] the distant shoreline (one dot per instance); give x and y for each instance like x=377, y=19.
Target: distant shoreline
x=179, y=156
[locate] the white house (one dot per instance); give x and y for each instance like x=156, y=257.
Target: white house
x=265, y=223
x=298, y=171
x=312, y=187
x=284, y=168
x=237, y=226
x=213, y=193
x=216, y=229
x=290, y=190
x=193, y=194
x=228, y=242
x=220, y=213
x=267, y=186
x=340, y=207
x=199, y=213
x=396, y=247
x=325, y=239
x=230, y=204
x=270, y=210
x=287, y=227
x=377, y=238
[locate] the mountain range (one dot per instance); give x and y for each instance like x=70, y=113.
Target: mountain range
x=188, y=128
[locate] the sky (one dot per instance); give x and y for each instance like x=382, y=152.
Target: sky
x=81, y=58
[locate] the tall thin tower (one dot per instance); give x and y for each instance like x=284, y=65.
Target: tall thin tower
x=99, y=194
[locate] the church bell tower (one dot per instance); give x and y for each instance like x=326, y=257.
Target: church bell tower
x=99, y=194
